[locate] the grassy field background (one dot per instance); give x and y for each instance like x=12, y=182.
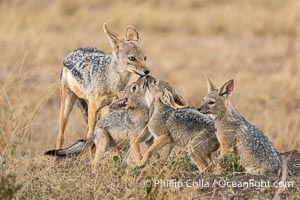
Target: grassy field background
x=255, y=42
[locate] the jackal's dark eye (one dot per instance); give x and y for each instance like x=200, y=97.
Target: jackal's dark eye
x=211, y=102
x=155, y=82
x=145, y=58
x=131, y=58
x=133, y=88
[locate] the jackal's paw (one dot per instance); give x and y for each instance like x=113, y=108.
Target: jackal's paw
x=140, y=164
x=94, y=167
x=217, y=169
x=162, y=161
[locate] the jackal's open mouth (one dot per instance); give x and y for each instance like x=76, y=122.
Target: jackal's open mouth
x=123, y=103
x=206, y=112
x=141, y=75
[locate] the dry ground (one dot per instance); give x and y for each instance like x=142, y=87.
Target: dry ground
x=255, y=42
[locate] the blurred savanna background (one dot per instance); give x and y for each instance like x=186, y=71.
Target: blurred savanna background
x=255, y=42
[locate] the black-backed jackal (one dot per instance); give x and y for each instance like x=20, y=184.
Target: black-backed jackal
x=95, y=78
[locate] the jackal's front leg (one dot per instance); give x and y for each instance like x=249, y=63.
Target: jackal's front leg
x=135, y=146
x=91, y=116
x=96, y=103
x=160, y=142
x=93, y=106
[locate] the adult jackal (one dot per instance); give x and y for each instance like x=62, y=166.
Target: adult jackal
x=95, y=78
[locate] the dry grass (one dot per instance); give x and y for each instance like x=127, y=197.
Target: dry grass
x=255, y=42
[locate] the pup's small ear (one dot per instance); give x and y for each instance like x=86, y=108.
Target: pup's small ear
x=167, y=98
x=119, y=104
x=227, y=89
x=131, y=33
x=179, y=99
x=113, y=38
x=171, y=100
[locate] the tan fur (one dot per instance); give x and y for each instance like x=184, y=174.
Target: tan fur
x=156, y=85
x=125, y=127
x=183, y=127
x=97, y=85
x=234, y=133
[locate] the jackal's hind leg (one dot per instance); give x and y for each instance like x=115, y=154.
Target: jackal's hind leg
x=165, y=153
x=200, y=161
x=83, y=106
x=67, y=100
x=102, y=141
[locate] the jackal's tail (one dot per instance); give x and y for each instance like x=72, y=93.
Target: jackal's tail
x=73, y=150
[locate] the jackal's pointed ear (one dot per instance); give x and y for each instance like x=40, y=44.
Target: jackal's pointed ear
x=227, y=89
x=113, y=38
x=210, y=85
x=171, y=100
x=119, y=104
x=167, y=98
x=131, y=33
x=179, y=99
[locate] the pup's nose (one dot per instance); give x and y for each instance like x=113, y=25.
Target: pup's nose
x=199, y=108
x=146, y=71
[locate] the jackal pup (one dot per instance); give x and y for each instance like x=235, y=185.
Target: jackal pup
x=256, y=152
x=183, y=127
x=124, y=125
